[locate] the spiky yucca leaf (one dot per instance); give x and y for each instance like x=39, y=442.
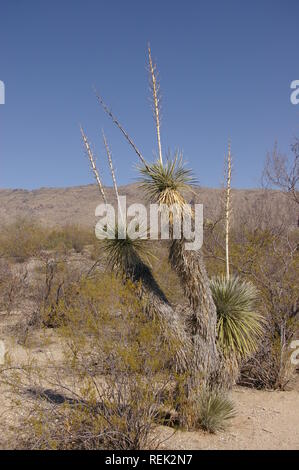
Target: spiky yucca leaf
x=239, y=325
x=215, y=410
x=123, y=254
x=164, y=183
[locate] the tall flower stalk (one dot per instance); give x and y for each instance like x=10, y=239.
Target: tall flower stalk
x=155, y=88
x=93, y=165
x=228, y=206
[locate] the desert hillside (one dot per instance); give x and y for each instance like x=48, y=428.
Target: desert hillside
x=76, y=205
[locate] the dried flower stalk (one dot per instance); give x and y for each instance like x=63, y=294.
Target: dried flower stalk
x=156, y=100
x=93, y=165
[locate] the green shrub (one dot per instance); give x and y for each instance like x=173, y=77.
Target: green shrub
x=69, y=237
x=108, y=391
x=21, y=240
x=24, y=239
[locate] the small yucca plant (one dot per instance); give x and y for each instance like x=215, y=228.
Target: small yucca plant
x=124, y=254
x=239, y=325
x=215, y=410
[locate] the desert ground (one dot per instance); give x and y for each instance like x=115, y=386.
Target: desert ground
x=265, y=419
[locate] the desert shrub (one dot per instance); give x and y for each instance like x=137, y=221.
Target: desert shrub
x=214, y=410
x=25, y=238
x=113, y=307
x=109, y=390
x=166, y=277
x=53, y=282
x=271, y=259
x=21, y=240
x=57, y=283
x=120, y=416
x=271, y=367
x=13, y=283
x=69, y=237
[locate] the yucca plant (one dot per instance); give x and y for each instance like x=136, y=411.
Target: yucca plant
x=239, y=325
x=122, y=252
x=215, y=410
x=165, y=183
x=126, y=257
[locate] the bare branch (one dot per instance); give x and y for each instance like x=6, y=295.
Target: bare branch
x=282, y=173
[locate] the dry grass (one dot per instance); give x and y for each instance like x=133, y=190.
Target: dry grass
x=25, y=239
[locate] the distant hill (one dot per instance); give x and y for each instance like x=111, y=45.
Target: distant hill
x=76, y=205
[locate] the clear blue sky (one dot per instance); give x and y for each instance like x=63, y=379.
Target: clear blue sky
x=225, y=69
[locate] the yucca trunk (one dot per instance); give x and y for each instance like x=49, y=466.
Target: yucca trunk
x=156, y=304
x=189, y=266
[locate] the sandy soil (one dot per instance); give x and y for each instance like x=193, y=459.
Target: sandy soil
x=265, y=420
